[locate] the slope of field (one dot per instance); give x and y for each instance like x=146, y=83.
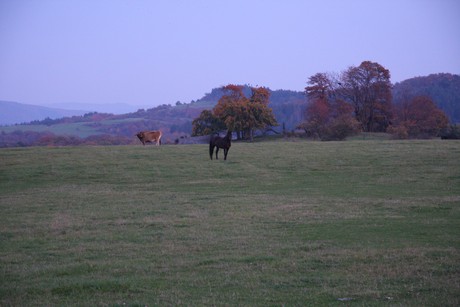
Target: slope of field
x=80, y=129
x=278, y=223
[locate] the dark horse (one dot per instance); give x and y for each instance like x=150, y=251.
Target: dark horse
x=220, y=142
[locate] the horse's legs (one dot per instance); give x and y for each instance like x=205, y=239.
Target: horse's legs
x=225, y=153
x=217, y=150
x=211, y=150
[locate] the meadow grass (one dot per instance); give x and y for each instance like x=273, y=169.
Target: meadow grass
x=279, y=223
x=78, y=129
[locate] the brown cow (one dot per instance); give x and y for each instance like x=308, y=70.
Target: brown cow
x=150, y=136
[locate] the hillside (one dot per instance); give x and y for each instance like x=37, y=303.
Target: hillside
x=443, y=88
x=16, y=113
x=114, y=108
x=176, y=121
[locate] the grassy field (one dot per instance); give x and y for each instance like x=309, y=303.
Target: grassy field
x=81, y=129
x=370, y=222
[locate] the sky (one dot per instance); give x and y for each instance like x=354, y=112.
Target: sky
x=156, y=52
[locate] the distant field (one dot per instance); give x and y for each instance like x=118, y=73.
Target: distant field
x=78, y=129
x=82, y=130
x=363, y=222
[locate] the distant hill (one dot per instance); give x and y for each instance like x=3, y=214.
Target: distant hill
x=46, y=125
x=12, y=113
x=443, y=88
x=113, y=108
x=16, y=113
x=175, y=122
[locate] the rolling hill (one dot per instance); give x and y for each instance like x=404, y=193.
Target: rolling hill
x=176, y=121
x=16, y=113
x=443, y=88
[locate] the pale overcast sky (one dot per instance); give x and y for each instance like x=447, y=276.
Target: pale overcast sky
x=162, y=51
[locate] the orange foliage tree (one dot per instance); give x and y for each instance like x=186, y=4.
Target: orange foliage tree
x=327, y=117
x=236, y=112
x=206, y=123
x=259, y=114
x=418, y=117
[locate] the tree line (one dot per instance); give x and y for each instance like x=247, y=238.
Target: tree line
x=332, y=107
x=357, y=100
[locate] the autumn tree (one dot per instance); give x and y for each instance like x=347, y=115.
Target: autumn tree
x=320, y=86
x=231, y=107
x=238, y=113
x=443, y=88
x=316, y=118
x=259, y=115
x=207, y=123
x=418, y=117
x=327, y=117
x=318, y=109
x=368, y=89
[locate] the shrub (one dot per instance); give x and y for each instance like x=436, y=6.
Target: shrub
x=398, y=132
x=451, y=133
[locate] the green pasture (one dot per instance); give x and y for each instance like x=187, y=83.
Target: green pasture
x=280, y=223
x=78, y=129
x=81, y=129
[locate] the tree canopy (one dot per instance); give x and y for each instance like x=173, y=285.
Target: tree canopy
x=418, y=117
x=361, y=99
x=327, y=117
x=368, y=89
x=238, y=113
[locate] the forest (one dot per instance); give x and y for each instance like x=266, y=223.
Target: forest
x=332, y=107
